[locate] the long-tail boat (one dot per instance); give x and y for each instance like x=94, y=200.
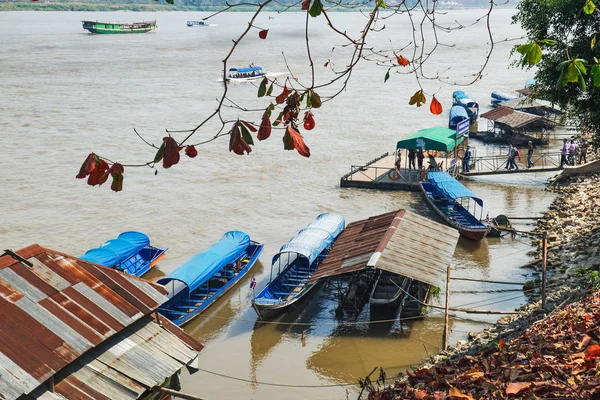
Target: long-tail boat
x=131, y=252
x=296, y=261
x=198, y=283
x=115, y=27
x=451, y=201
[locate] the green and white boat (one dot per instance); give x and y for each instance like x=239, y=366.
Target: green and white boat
x=110, y=27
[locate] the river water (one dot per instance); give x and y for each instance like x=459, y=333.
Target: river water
x=65, y=93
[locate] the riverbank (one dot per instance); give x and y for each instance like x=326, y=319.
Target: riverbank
x=573, y=228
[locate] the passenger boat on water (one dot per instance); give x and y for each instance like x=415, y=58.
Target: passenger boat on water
x=296, y=261
x=111, y=27
x=498, y=98
x=460, y=98
x=245, y=74
x=198, y=283
x=131, y=252
x=447, y=198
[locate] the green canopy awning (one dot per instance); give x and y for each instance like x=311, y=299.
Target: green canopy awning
x=438, y=138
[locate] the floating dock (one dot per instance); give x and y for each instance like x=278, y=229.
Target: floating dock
x=380, y=173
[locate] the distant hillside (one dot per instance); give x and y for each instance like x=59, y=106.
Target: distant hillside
x=180, y=5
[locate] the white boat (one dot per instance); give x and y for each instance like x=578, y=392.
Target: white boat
x=196, y=23
x=245, y=74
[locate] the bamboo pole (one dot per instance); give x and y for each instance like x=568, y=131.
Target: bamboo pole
x=544, y=254
x=482, y=280
x=445, y=334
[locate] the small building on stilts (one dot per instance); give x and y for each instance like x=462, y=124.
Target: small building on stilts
x=389, y=261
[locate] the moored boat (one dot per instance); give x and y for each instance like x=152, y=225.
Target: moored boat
x=131, y=252
x=199, y=282
x=388, y=292
x=498, y=98
x=115, y=27
x=460, y=98
x=296, y=261
x=245, y=74
x=448, y=198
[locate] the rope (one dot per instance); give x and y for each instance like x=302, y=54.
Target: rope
x=274, y=384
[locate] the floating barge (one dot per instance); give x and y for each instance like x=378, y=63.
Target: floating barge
x=111, y=27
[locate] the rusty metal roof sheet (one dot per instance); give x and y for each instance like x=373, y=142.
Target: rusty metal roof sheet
x=510, y=117
x=58, y=308
x=400, y=242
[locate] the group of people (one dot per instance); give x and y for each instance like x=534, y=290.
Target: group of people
x=415, y=155
x=572, y=153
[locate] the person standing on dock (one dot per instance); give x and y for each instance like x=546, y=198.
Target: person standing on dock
x=466, y=162
x=530, y=154
x=420, y=157
x=411, y=159
x=563, y=153
x=398, y=163
x=583, y=151
x=572, y=152
x=509, y=154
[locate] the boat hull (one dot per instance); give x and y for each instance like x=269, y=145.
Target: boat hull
x=270, y=311
x=472, y=233
x=110, y=28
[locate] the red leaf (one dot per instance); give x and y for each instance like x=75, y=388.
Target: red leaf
x=402, y=60
x=592, y=351
x=87, y=167
x=263, y=34
x=283, y=95
x=249, y=126
x=326, y=63
x=456, y=393
x=298, y=141
x=171, y=152
x=516, y=387
x=116, y=170
x=191, y=151
x=237, y=143
x=305, y=4
x=309, y=121
x=265, y=128
x=501, y=345
x=97, y=175
x=435, y=107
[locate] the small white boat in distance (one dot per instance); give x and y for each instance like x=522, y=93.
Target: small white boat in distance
x=196, y=23
x=245, y=74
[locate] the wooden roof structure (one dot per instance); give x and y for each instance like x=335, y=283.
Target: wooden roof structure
x=400, y=242
x=512, y=118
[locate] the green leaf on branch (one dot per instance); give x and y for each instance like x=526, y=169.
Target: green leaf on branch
x=270, y=89
x=246, y=135
x=589, y=7
x=381, y=3
x=170, y=1
x=596, y=75
x=308, y=99
x=548, y=42
x=315, y=9
x=593, y=42
x=262, y=89
x=387, y=76
x=532, y=53
x=160, y=153
x=278, y=119
x=572, y=71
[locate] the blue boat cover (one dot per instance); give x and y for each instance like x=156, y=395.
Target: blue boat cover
x=115, y=251
x=316, y=237
x=457, y=114
x=245, y=70
x=459, y=94
x=450, y=187
x=203, y=266
x=502, y=96
x=529, y=83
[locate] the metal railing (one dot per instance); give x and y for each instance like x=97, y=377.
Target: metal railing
x=541, y=161
x=356, y=168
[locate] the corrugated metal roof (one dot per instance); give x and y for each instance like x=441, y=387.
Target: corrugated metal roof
x=522, y=103
x=510, y=117
x=59, y=308
x=400, y=242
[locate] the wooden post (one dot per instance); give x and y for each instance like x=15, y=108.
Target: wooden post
x=175, y=393
x=544, y=255
x=445, y=334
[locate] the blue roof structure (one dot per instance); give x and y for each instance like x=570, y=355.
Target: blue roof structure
x=450, y=187
x=116, y=251
x=316, y=237
x=245, y=70
x=200, y=268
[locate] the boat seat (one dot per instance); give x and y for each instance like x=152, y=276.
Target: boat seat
x=282, y=293
x=289, y=284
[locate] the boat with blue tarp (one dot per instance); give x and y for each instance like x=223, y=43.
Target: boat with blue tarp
x=130, y=252
x=296, y=261
x=199, y=282
x=457, y=114
x=498, y=98
x=460, y=98
x=451, y=200
x=245, y=74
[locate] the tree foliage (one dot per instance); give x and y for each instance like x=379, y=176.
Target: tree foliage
x=562, y=38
